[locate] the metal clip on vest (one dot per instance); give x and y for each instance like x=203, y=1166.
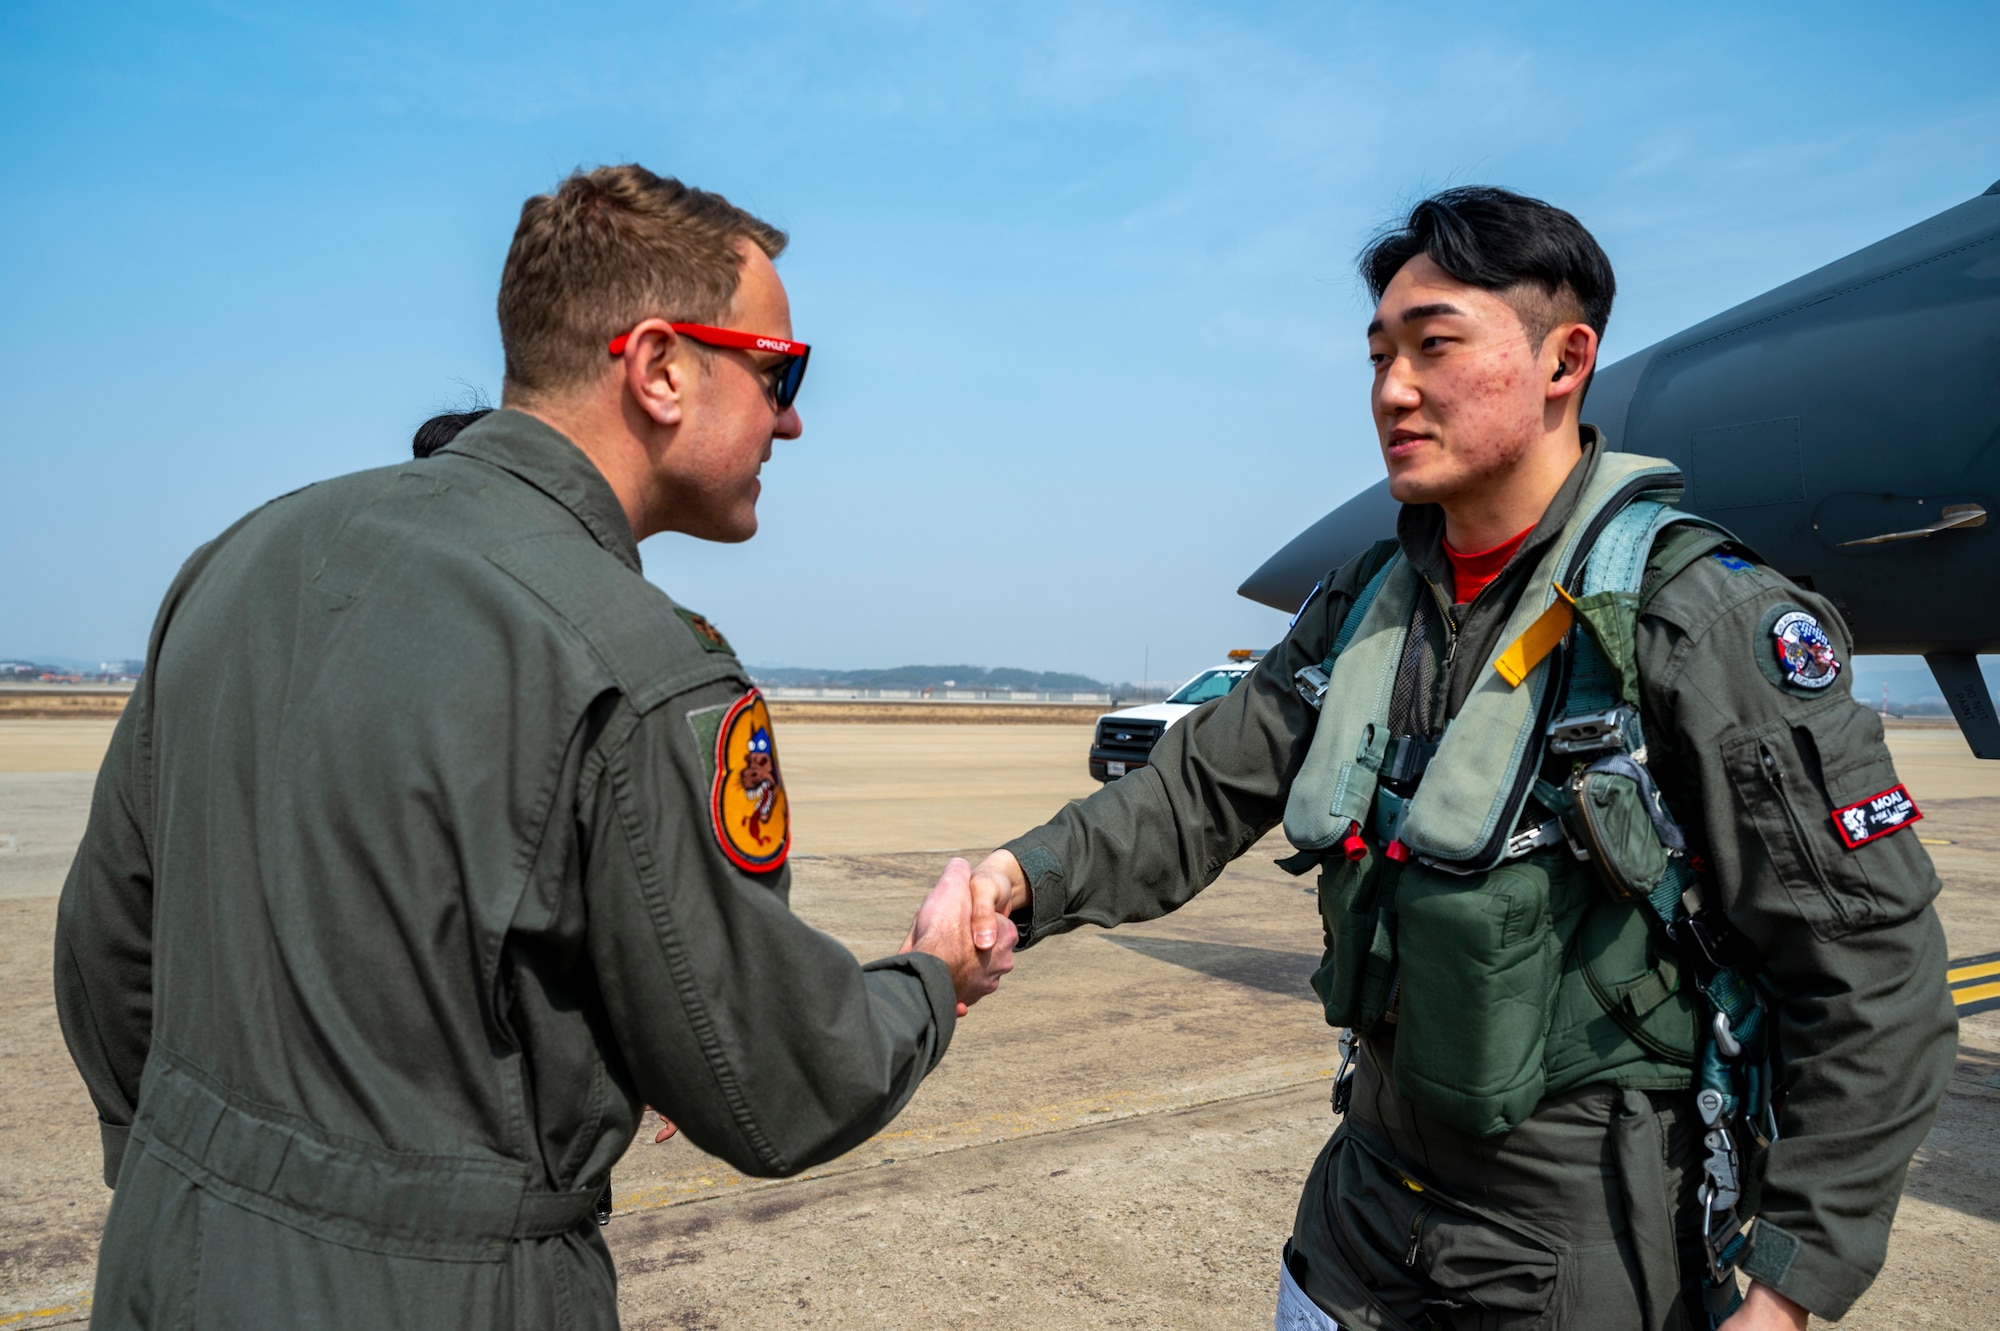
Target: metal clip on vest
x=1587, y=733
x=1343, y=1079
x=1405, y=761
x=1311, y=682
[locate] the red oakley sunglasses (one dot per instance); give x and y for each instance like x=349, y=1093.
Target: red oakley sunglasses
x=786, y=375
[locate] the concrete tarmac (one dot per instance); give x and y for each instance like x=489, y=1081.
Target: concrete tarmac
x=1115, y=1140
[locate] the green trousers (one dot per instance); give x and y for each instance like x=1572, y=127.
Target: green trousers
x=1583, y=1216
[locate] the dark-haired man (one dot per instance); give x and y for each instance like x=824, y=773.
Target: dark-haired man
x=419, y=859
x=442, y=428
x=1607, y=854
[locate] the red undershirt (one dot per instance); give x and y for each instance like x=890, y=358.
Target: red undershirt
x=1470, y=573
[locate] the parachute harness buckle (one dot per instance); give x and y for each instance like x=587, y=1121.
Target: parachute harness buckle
x=1343, y=1079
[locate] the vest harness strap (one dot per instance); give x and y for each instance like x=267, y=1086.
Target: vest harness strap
x=1597, y=722
x=1311, y=681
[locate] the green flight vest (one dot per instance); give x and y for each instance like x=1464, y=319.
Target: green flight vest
x=1511, y=978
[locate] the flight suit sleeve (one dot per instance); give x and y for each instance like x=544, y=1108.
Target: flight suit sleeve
x=1763, y=763
x=1215, y=783
x=104, y=939
x=760, y=1036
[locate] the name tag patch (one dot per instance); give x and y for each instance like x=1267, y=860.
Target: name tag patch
x=1875, y=817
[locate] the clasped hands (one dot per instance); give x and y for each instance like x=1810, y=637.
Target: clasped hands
x=963, y=923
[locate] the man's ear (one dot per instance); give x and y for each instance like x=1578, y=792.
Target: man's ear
x=1571, y=351
x=655, y=367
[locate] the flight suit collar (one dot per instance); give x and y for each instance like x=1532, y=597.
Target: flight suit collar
x=1420, y=532
x=545, y=458
x=1420, y=527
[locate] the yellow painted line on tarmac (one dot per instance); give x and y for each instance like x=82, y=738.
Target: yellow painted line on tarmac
x=13, y=1319
x=1976, y=992
x=1972, y=972
x=1936, y=841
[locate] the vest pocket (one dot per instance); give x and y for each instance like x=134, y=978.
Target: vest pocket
x=1611, y=819
x=1480, y=963
x=1357, y=905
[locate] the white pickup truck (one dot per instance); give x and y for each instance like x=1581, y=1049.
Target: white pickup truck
x=1124, y=740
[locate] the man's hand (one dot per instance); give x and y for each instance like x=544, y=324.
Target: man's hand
x=1764, y=1309
x=944, y=927
x=999, y=888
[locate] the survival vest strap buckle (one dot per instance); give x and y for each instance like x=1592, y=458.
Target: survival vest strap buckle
x=1343, y=1079
x=1406, y=760
x=1590, y=732
x=1311, y=682
x=1528, y=839
x=1699, y=930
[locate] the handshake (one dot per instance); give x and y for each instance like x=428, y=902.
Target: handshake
x=963, y=923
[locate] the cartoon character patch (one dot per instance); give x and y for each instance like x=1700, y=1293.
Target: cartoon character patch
x=752, y=817
x=1805, y=653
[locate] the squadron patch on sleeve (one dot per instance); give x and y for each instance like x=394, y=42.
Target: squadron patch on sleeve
x=1734, y=563
x=752, y=818
x=1801, y=650
x=1866, y=820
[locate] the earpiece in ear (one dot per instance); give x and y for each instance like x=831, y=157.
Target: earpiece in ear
x=1561, y=370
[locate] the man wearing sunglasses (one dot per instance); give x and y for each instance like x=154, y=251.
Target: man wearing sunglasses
x=437, y=841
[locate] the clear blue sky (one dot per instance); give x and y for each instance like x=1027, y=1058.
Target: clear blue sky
x=1087, y=343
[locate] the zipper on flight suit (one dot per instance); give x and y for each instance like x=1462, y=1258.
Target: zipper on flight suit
x=1416, y=1235
x=1442, y=685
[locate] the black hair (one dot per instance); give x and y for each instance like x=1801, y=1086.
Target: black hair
x=441, y=429
x=1497, y=240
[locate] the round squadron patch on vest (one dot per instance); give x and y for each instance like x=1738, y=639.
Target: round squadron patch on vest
x=1804, y=653
x=752, y=817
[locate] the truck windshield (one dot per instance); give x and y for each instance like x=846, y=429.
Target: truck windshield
x=1207, y=686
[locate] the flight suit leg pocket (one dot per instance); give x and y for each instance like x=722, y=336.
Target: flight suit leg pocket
x=1489, y=1276
x=1790, y=775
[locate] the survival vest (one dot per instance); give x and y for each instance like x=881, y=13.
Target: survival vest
x=1514, y=894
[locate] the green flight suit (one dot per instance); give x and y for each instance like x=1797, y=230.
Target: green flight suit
x=401, y=895
x=1864, y=1030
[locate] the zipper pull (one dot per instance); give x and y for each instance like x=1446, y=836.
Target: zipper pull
x=1416, y=1235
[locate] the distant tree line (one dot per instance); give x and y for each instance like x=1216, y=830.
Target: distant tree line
x=19, y=670
x=929, y=677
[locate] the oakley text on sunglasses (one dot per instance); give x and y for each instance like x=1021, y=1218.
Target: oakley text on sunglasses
x=786, y=375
